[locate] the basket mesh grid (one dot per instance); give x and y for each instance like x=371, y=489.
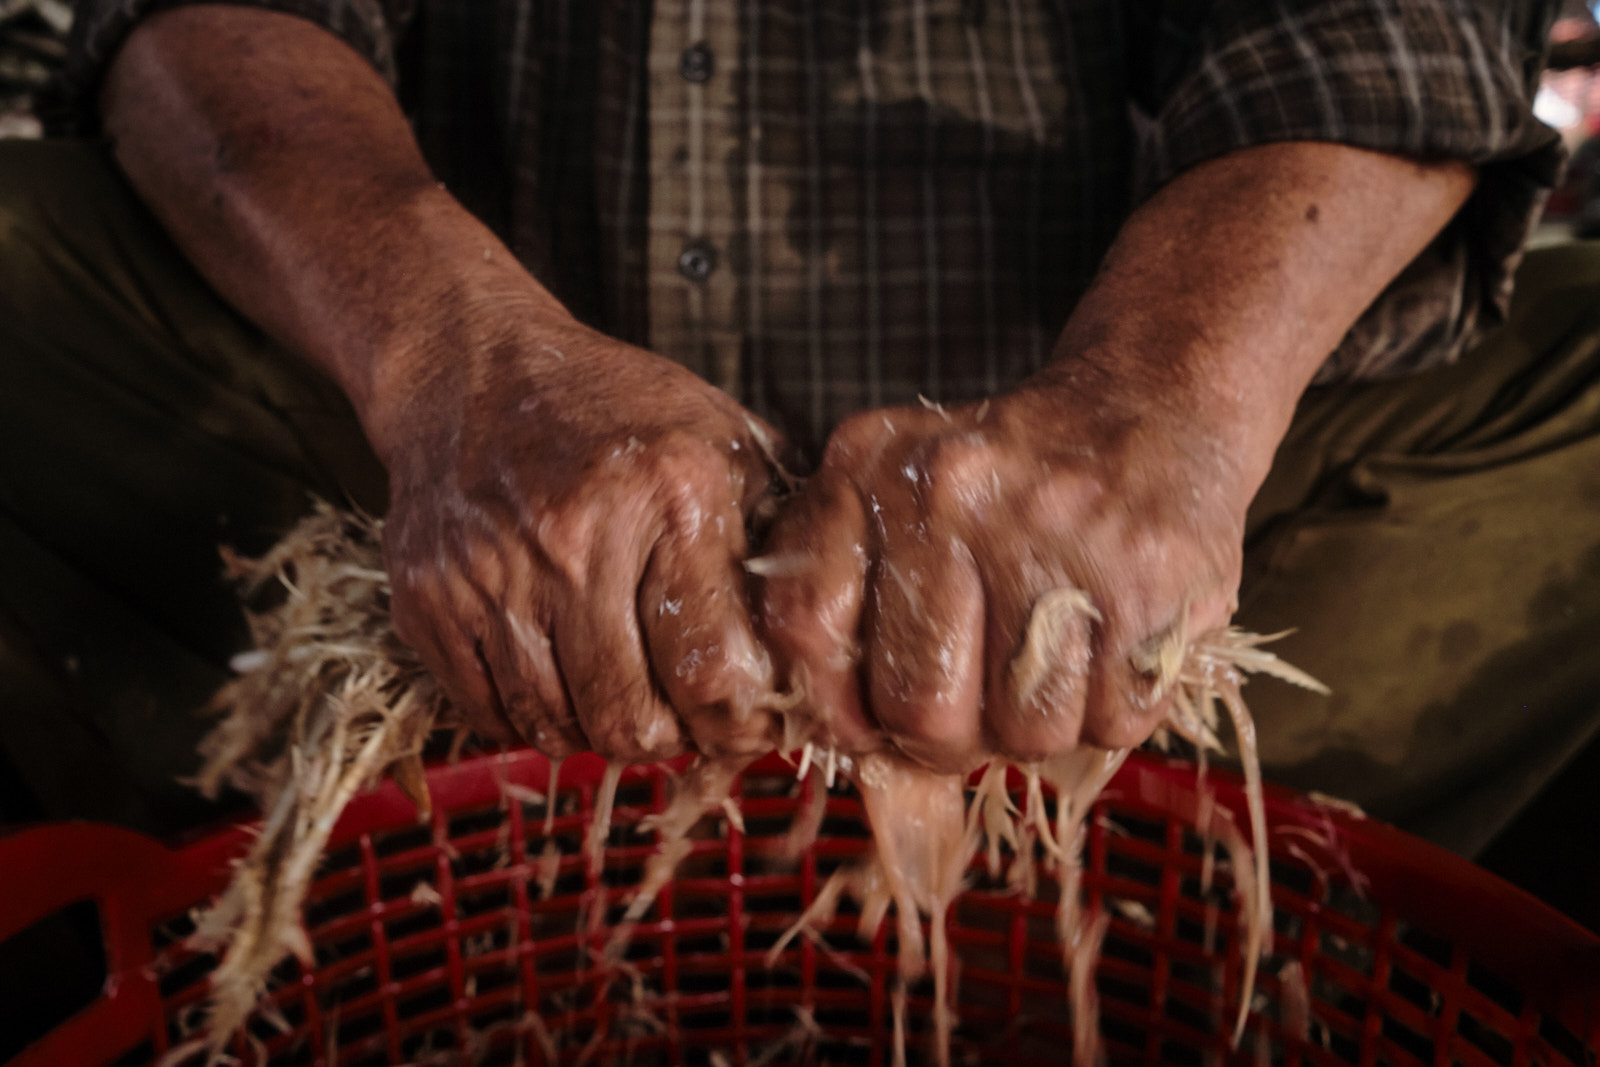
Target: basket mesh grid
x=433, y=945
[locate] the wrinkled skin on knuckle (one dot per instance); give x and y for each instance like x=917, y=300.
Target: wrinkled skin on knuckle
x=924, y=653
x=564, y=535
x=540, y=467
x=416, y=601
x=1037, y=695
x=706, y=673
x=1063, y=505
x=856, y=441
x=609, y=521
x=811, y=620
x=1030, y=743
x=621, y=745
x=940, y=735
x=725, y=727
x=629, y=725
x=933, y=715
x=1121, y=725
x=724, y=719
x=689, y=462
x=539, y=725
x=932, y=676
x=964, y=478
x=810, y=613
x=406, y=614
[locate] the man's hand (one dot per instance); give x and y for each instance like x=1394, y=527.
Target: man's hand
x=284, y=168
x=933, y=549
x=568, y=513
x=995, y=578
x=566, y=537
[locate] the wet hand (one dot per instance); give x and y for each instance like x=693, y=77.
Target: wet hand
x=566, y=534
x=994, y=578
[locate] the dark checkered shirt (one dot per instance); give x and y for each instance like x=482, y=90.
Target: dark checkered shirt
x=824, y=205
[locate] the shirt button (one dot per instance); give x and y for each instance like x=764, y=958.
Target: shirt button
x=695, y=64
x=697, y=260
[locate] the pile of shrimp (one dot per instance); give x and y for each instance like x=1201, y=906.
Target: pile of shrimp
x=330, y=703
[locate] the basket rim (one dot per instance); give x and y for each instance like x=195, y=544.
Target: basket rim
x=137, y=881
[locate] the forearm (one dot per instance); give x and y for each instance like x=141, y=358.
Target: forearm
x=282, y=165
x=1226, y=291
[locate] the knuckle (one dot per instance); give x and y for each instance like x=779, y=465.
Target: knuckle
x=801, y=636
x=726, y=733
x=1036, y=713
x=956, y=458
x=631, y=742
x=1127, y=709
x=1076, y=489
x=945, y=730
x=467, y=694
x=623, y=720
x=1027, y=748
x=727, y=667
x=484, y=723
x=856, y=438
x=808, y=620
x=702, y=485
x=1057, y=502
x=1029, y=739
x=960, y=474
x=409, y=607
x=935, y=725
x=1127, y=729
x=612, y=742
x=484, y=559
x=564, y=535
x=674, y=458
x=701, y=676
x=686, y=454
x=540, y=726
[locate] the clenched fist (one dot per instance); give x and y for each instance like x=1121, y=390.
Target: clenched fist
x=990, y=579
x=566, y=536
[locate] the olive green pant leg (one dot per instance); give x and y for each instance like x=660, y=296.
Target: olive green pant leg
x=142, y=423
x=1436, y=542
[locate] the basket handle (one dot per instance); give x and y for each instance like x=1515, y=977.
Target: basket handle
x=133, y=882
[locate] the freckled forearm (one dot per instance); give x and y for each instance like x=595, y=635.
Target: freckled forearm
x=1226, y=291
x=282, y=165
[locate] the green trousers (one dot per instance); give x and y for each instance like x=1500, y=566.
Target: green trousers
x=1435, y=540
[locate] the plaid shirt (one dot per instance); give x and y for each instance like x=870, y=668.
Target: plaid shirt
x=824, y=205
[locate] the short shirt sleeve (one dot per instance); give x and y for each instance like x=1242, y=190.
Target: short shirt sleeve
x=371, y=27
x=1427, y=79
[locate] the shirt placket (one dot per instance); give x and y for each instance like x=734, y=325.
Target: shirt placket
x=694, y=60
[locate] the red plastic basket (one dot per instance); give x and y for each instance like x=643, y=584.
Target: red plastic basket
x=1409, y=954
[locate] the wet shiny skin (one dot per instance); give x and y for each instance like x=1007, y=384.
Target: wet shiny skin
x=554, y=490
